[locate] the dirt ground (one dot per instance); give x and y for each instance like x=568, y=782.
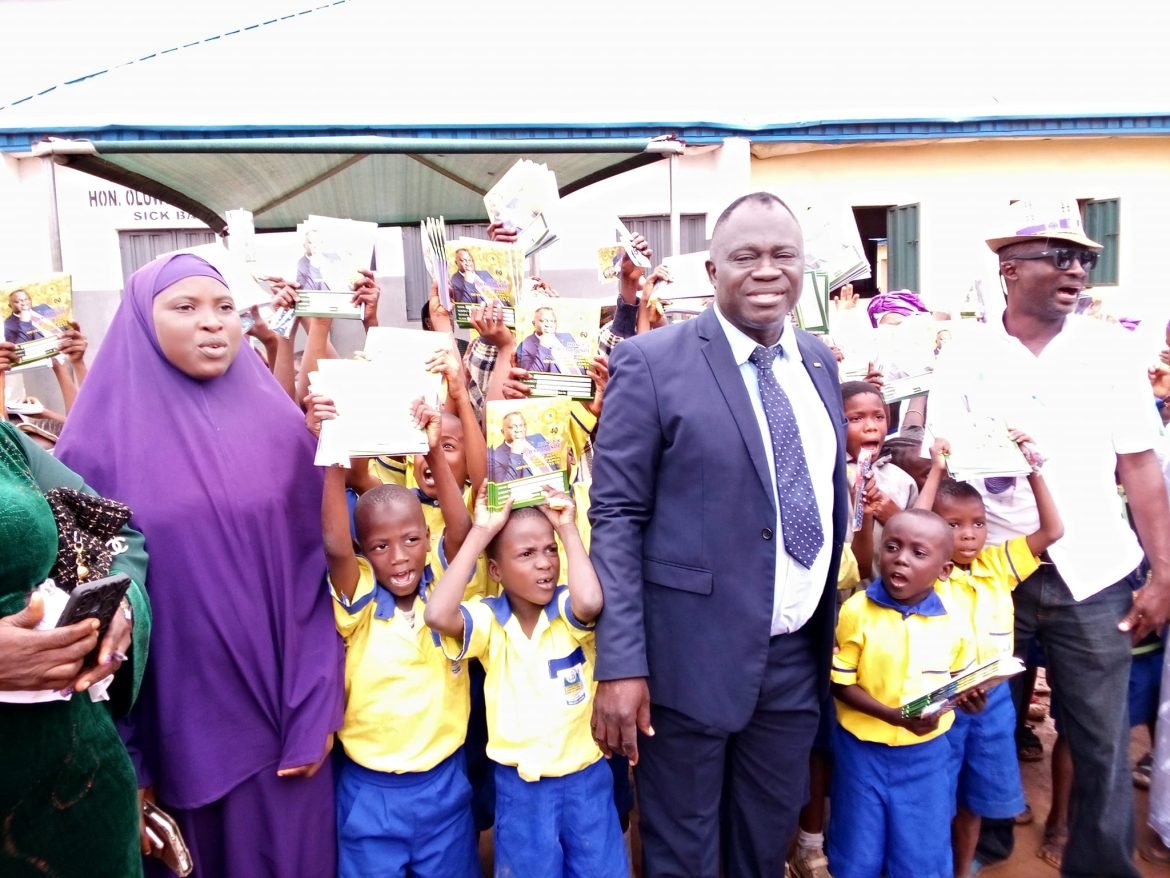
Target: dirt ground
x=1038, y=789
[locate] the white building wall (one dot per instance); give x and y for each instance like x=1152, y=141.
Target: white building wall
x=964, y=188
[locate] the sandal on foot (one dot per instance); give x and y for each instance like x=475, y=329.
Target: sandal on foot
x=1028, y=746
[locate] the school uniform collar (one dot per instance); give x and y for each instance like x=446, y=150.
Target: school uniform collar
x=384, y=605
x=424, y=499
x=931, y=605
x=742, y=345
x=502, y=609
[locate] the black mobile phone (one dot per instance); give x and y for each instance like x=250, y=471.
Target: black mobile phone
x=95, y=600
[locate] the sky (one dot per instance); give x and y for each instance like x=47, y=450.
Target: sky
x=466, y=62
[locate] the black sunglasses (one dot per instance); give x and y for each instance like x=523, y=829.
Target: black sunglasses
x=1062, y=257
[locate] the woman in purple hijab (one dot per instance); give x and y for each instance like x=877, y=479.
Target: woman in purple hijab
x=244, y=689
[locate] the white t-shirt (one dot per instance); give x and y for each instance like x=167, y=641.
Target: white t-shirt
x=1084, y=400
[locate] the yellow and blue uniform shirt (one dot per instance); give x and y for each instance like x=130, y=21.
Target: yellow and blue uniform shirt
x=582, y=422
x=406, y=703
x=391, y=470
x=539, y=690
x=983, y=595
x=480, y=584
x=896, y=654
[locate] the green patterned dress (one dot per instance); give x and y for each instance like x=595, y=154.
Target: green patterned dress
x=68, y=794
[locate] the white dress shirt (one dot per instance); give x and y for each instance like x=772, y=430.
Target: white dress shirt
x=1083, y=400
x=798, y=590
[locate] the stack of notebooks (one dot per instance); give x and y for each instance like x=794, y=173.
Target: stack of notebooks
x=832, y=245
x=524, y=199
x=984, y=677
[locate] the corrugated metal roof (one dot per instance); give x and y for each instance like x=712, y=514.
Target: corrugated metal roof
x=397, y=111
x=281, y=188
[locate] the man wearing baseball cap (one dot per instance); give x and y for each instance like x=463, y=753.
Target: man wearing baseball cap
x=1075, y=386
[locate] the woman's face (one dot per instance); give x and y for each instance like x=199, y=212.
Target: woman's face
x=198, y=328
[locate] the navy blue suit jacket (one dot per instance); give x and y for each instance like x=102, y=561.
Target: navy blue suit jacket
x=682, y=517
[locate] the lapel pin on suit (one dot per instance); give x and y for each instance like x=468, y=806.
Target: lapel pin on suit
x=815, y=363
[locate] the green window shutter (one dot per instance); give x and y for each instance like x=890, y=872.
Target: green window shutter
x=902, y=232
x=1103, y=225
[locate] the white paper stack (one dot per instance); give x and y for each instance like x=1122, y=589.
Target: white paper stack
x=981, y=448
x=526, y=199
x=688, y=278
x=375, y=396
x=832, y=245
x=340, y=247
x=434, y=248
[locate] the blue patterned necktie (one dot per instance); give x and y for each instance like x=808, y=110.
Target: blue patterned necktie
x=800, y=520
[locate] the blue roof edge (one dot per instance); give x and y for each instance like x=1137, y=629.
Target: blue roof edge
x=829, y=132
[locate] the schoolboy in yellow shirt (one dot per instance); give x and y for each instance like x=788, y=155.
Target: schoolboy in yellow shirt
x=892, y=800
x=984, y=767
x=554, y=794
x=403, y=797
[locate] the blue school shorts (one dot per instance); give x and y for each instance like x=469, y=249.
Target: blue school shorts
x=984, y=765
x=1145, y=687
x=558, y=826
x=399, y=824
x=892, y=807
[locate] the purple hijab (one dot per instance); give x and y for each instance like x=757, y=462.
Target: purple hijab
x=903, y=302
x=245, y=670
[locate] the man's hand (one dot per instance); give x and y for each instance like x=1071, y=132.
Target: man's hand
x=873, y=375
x=31, y=660
x=621, y=708
x=367, y=292
x=1151, y=607
x=312, y=768
x=488, y=321
x=514, y=386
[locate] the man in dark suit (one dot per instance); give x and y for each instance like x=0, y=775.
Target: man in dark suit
x=719, y=507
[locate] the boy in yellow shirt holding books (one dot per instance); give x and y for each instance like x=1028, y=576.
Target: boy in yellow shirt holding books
x=983, y=750
x=554, y=794
x=403, y=797
x=892, y=797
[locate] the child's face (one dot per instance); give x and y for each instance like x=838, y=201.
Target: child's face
x=451, y=442
x=526, y=563
x=968, y=522
x=866, y=428
x=915, y=551
x=394, y=539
